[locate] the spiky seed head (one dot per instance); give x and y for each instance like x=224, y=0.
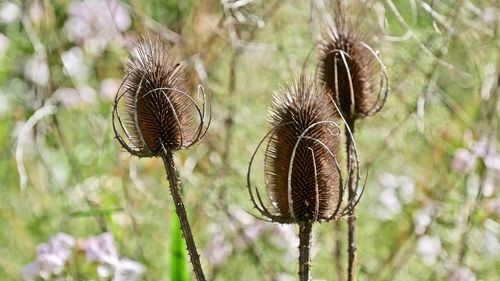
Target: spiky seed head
x=301, y=153
x=346, y=68
x=158, y=111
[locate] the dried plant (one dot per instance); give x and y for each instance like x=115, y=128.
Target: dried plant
x=160, y=117
x=347, y=70
x=303, y=178
x=159, y=113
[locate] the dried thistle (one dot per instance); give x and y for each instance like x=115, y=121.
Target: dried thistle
x=303, y=178
x=158, y=112
x=347, y=68
x=160, y=117
x=304, y=142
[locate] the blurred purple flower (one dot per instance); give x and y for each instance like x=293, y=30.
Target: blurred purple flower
x=490, y=16
x=463, y=161
x=37, y=70
x=492, y=162
x=462, y=274
x=95, y=22
x=397, y=190
x=9, y=12
x=219, y=249
x=72, y=98
x=36, y=12
x=423, y=218
x=74, y=64
x=101, y=249
x=109, y=87
x=429, y=249
x=31, y=271
x=127, y=270
x=482, y=148
x=51, y=257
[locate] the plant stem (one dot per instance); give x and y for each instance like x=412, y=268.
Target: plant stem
x=338, y=250
x=168, y=161
x=351, y=218
x=305, y=251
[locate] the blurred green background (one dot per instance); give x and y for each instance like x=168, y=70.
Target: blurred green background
x=431, y=206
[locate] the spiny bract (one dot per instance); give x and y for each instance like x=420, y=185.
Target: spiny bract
x=301, y=172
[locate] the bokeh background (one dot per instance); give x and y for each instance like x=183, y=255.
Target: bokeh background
x=431, y=157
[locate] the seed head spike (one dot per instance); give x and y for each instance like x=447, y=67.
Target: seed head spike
x=153, y=108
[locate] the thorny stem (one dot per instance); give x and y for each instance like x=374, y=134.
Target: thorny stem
x=351, y=219
x=338, y=250
x=305, y=251
x=168, y=161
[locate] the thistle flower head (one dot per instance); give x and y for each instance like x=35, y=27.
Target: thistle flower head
x=302, y=174
x=157, y=112
x=347, y=67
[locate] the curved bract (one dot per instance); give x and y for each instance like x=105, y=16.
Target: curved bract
x=153, y=109
x=347, y=68
x=303, y=178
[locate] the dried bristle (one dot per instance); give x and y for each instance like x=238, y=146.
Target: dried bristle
x=294, y=110
x=157, y=111
x=334, y=73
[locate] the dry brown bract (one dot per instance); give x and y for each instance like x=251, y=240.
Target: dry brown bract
x=302, y=175
x=158, y=113
x=347, y=69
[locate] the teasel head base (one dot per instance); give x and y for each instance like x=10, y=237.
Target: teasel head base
x=153, y=108
x=346, y=67
x=303, y=179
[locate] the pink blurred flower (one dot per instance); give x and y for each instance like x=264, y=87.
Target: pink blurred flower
x=462, y=274
x=9, y=12
x=36, y=12
x=492, y=162
x=101, y=249
x=95, y=22
x=429, y=248
x=109, y=87
x=75, y=64
x=51, y=257
x=37, y=70
x=423, y=218
x=219, y=249
x=397, y=190
x=31, y=271
x=463, y=161
x=73, y=98
x=127, y=270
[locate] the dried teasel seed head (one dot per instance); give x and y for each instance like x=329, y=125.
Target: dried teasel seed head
x=158, y=112
x=346, y=68
x=301, y=169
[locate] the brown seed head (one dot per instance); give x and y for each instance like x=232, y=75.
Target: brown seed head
x=346, y=67
x=301, y=170
x=157, y=110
